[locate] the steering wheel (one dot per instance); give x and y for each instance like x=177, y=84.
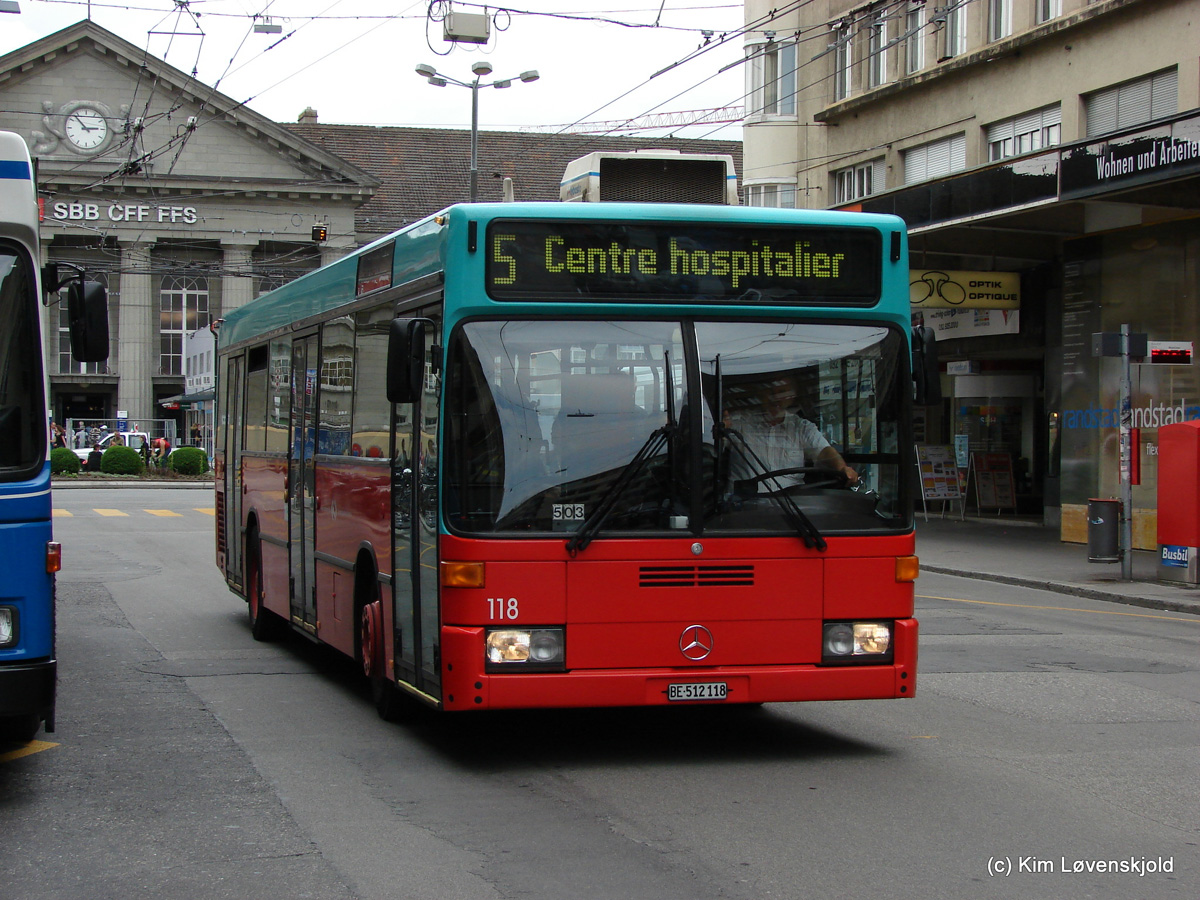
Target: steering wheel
x=824, y=473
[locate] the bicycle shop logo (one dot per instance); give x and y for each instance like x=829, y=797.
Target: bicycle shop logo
x=945, y=289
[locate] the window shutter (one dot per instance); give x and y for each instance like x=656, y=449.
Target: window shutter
x=1101, y=111
x=1164, y=94
x=1132, y=103
x=915, y=164
x=878, y=175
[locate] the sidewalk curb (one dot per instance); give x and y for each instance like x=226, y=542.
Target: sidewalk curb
x=72, y=485
x=1183, y=606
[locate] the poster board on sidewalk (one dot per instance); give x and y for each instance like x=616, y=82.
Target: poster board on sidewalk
x=995, y=487
x=939, y=475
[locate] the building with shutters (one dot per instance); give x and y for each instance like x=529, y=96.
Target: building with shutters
x=1045, y=155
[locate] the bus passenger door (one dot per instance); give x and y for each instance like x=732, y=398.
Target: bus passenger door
x=232, y=414
x=416, y=618
x=429, y=615
x=404, y=514
x=302, y=499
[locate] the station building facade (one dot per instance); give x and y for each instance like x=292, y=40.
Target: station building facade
x=187, y=204
x=1045, y=155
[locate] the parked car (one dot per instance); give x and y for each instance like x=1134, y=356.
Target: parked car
x=134, y=439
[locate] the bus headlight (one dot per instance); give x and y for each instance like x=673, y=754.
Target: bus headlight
x=525, y=649
x=854, y=643
x=8, y=626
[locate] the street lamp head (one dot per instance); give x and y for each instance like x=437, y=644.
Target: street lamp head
x=437, y=81
x=500, y=85
x=426, y=71
x=481, y=68
x=531, y=75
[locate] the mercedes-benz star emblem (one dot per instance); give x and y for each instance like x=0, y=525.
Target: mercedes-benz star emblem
x=696, y=642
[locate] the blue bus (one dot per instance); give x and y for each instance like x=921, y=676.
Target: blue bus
x=29, y=556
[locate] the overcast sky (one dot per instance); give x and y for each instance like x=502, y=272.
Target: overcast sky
x=354, y=60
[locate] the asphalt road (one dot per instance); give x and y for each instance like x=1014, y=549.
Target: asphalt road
x=1050, y=737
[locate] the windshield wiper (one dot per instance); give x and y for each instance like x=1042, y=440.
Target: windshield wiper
x=776, y=491
x=591, y=525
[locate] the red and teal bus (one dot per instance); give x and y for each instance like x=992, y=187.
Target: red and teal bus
x=29, y=556
x=520, y=455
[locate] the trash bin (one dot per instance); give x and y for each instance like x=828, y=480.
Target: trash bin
x=1104, y=520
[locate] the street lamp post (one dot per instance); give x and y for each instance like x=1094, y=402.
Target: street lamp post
x=479, y=69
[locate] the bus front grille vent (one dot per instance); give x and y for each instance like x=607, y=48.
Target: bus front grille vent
x=696, y=576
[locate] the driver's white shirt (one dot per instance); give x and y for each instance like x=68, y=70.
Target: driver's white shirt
x=788, y=444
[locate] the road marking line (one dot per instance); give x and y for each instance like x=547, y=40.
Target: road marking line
x=62, y=513
x=110, y=512
x=207, y=512
x=163, y=512
x=28, y=750
x=1097, y=612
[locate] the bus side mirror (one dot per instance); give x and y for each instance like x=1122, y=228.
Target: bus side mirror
x=927, y=382
x=87, y=315
x=406, y=360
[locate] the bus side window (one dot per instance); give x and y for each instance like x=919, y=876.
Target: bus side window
x=337, y=386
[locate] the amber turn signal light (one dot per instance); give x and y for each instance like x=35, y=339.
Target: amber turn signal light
x=53, y=557
x=907, y=568
x=462, y=574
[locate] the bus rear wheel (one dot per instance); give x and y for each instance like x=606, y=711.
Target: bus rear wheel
x=263, y=622
x=390, y=703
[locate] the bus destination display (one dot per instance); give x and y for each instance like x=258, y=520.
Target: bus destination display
x=691, y=261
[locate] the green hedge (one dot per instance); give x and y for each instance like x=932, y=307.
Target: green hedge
x=121, y=461
x=188, y=461
x=63, y=461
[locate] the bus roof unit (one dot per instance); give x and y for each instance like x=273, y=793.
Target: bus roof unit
x=651, y=176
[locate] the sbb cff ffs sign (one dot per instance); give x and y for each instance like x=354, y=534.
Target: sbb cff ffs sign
x=79, y=211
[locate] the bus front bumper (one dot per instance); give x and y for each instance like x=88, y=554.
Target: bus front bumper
x=653, y=687
x=29, y=688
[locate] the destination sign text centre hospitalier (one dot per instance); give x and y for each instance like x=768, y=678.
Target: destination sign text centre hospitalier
x=684, y=261
x=760, y=260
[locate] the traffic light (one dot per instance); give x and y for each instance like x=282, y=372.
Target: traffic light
x=320, y=233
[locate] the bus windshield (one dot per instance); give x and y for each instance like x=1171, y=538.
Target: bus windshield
x=22, y=420
x=675, y=427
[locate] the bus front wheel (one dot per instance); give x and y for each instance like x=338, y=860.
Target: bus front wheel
x=389, y=702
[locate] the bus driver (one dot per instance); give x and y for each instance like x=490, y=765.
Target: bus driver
x=781, y=438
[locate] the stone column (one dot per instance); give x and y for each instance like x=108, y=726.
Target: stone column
x=332, y=254
x=137, y=353
x=237, y=284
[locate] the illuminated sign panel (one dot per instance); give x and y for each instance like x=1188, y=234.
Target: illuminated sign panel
x=1177, y=353
x=684, y=261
